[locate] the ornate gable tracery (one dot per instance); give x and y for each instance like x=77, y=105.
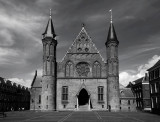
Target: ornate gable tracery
x=83, y=69
x=83, y=44
x=83, y=54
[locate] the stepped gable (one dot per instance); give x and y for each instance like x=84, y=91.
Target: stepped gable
x=83, y=44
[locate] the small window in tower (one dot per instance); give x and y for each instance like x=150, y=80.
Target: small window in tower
x=46, y=106
x=128, y=102
x=119, y=101
x=102, y=106
x=39, y=99
x=47, y=97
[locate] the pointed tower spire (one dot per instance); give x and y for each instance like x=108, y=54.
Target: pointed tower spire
x=49, y=77
x=49, y=32
x=112, y=37
x=112, y=68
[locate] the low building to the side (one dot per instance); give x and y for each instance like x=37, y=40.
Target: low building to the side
x=13, y=97
x=140, y=88
x=154, y=81
x=35, y=90
x=127, y=100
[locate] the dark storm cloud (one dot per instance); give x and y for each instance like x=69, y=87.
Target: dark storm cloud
x=23, y=21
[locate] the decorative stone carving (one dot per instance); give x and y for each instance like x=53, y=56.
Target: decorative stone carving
x=79, y=49
x=86, y=49
x=83, y=36
x=82, y=69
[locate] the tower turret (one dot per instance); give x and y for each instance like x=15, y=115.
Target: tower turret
x=112, y=68
x=49, y=67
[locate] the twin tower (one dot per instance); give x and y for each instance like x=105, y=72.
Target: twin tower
x=49, y=78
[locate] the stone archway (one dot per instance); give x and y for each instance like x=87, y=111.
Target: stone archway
x=83, y=97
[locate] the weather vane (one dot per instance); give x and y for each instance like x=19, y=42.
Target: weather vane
x=50, y=13
x=111, y=14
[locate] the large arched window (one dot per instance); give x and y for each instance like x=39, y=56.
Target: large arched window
x=47, y=49
x=51, y=49
x=96, y=69
x=69, y=69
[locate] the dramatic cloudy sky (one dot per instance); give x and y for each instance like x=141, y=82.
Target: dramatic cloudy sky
x=23, y=21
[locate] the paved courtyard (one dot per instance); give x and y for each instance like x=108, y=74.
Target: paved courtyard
x=70, y=116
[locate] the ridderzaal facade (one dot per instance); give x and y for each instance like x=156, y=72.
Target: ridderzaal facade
x=83, y=80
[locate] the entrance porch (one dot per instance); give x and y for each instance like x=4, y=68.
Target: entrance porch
x=83, y=101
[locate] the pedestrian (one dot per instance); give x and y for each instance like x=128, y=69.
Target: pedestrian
x=109, y=108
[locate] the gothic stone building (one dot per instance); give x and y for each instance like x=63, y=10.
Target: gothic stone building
x=83, y=80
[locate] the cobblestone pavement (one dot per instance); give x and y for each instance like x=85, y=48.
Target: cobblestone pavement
x=73, y=116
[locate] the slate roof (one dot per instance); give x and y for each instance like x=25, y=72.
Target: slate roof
x=138, y=80
x=112, y=37
x=36, y=81
x=154, y=66
x=126, y=93
x=49, y=31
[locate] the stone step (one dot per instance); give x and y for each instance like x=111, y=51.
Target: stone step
x=83, y=108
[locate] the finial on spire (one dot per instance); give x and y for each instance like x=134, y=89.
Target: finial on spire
x=50, y=15
x=83, y=24
x=111, y=15
x=49, y=32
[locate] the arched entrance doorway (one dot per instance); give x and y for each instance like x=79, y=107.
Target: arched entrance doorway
x=83, y=97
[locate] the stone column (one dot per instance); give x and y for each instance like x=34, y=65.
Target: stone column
x=77, y=103
x=89, y=106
